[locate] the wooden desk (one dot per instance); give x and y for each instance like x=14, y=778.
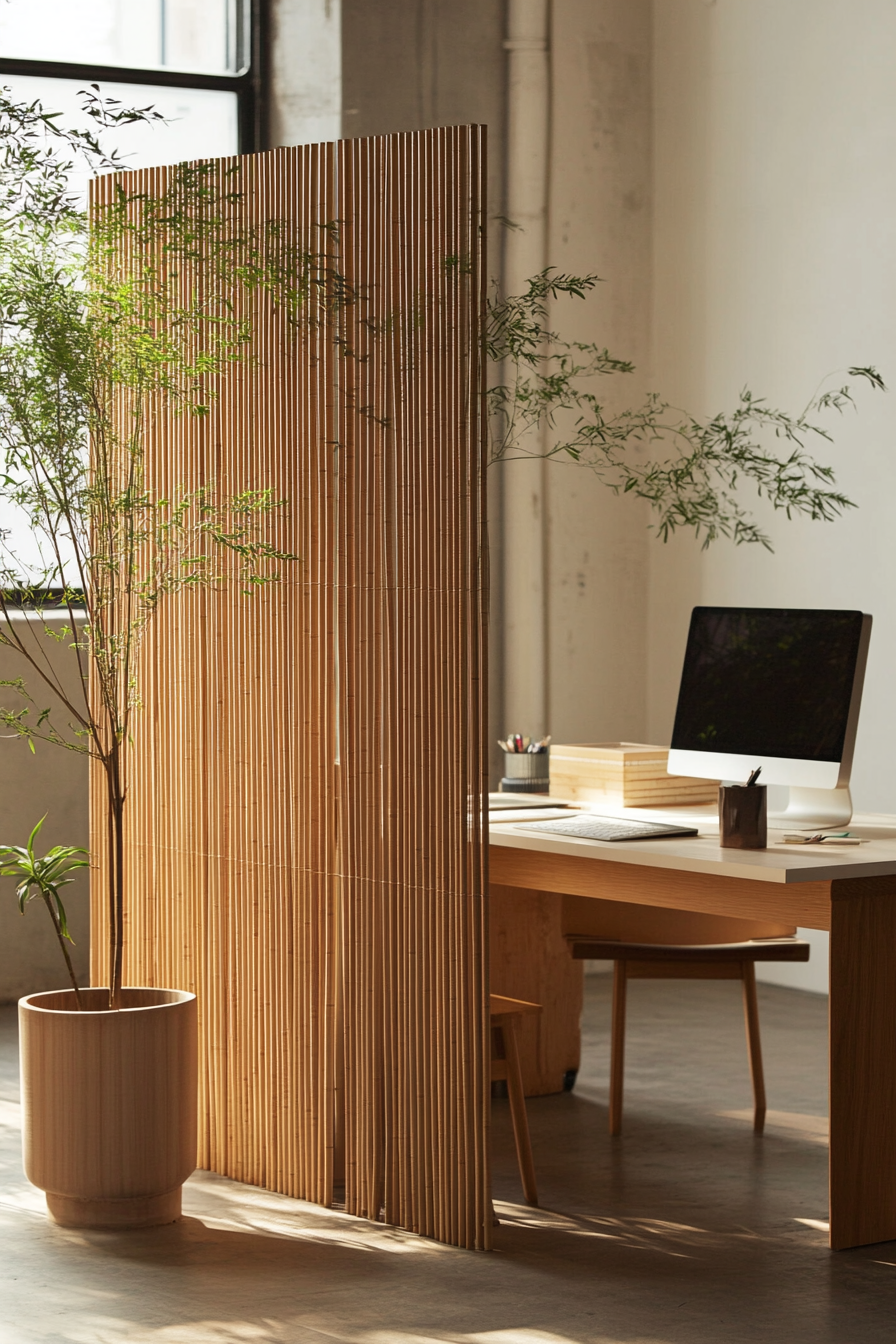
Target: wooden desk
x=691, y=890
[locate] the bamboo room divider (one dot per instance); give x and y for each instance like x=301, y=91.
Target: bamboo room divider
x=305, y=842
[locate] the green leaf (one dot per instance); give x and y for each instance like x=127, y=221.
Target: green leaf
x=695, y=477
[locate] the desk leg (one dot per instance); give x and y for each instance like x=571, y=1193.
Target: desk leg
x=863, y=1062
x=530, y=960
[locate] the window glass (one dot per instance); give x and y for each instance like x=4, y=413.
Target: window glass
x=201, y=35
x=199, y=124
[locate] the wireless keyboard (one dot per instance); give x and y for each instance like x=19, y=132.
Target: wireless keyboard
x=606, y=828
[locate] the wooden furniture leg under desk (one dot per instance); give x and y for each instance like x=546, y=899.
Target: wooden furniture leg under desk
x=530, y=959
x=861, y=916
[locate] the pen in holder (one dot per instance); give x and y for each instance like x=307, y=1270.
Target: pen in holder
x=743, y=815
x=527, y=765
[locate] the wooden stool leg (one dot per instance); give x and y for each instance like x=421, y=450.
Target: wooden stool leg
x=617, y=1046
x=518, y=1112
x=751, y=1015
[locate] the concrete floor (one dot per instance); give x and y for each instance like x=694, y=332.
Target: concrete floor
x=686, y=1229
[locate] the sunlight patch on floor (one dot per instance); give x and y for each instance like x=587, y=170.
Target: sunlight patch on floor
x=105, y=1330
x=111, y=1331
x=522, y=1336
x=10, y=1114
x=816, y=1224
x=514, y=1335
x=24, y=1198
x=813, y=1128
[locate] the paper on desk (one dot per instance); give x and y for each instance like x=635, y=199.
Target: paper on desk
x=543, y=814
x=501, y=801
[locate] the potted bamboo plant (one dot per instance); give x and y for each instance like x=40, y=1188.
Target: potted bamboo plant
x=96, y=325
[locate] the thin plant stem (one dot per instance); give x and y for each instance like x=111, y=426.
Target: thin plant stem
x=68, y=961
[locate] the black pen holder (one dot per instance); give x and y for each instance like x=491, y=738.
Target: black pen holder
x=743, y=816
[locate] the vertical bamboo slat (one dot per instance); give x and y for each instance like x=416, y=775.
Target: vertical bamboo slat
x=305, y=844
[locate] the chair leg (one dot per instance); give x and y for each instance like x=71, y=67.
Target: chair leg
x=518, y=1112
x=617, y=1046
x=751, y=1015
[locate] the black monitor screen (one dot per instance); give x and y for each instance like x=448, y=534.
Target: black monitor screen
x=765, y=682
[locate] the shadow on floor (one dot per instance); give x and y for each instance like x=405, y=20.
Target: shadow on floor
x=685, y=1229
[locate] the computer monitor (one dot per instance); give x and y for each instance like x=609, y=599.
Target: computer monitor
x=780, y=688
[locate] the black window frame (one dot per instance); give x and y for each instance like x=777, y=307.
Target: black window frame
x=249, y=86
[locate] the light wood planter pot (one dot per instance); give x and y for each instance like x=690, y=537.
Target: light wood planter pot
x=109, y=1104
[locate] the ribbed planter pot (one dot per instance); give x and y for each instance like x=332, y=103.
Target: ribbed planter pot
x=109, y=1104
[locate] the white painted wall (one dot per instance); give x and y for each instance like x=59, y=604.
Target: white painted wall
x=774, y=265
x=775, y=195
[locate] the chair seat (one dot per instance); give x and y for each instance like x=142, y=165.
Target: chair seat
x=763, y=949
x=704, y=961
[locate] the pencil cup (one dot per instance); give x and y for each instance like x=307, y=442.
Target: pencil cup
x=526, y=772
x=743, y=820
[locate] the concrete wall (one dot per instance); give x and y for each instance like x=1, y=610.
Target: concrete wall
x=600, y=221
x=51, y=781
x=409, y=64
x=306, y=71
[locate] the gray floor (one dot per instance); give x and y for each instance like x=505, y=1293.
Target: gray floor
x=685, y=1229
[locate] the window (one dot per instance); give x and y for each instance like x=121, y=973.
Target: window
x=196, y=35
x=196, y=61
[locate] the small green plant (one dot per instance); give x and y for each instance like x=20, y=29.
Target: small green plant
x=42, y=878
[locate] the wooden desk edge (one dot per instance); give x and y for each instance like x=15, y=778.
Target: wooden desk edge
x=807, y=904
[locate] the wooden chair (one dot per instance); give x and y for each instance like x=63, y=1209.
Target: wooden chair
x=659, y=961
x=506, y=1015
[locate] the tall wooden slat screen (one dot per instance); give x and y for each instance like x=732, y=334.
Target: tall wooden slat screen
x=304, y=834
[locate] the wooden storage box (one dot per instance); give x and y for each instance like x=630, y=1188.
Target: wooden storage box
x=627, y=774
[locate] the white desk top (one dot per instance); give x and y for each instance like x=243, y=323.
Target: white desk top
x=703, y=854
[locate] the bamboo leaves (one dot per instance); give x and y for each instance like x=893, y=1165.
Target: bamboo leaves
x=690, y=471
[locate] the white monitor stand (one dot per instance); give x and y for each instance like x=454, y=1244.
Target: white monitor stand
x=818, y=809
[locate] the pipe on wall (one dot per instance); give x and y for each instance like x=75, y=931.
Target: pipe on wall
x=525, y=254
